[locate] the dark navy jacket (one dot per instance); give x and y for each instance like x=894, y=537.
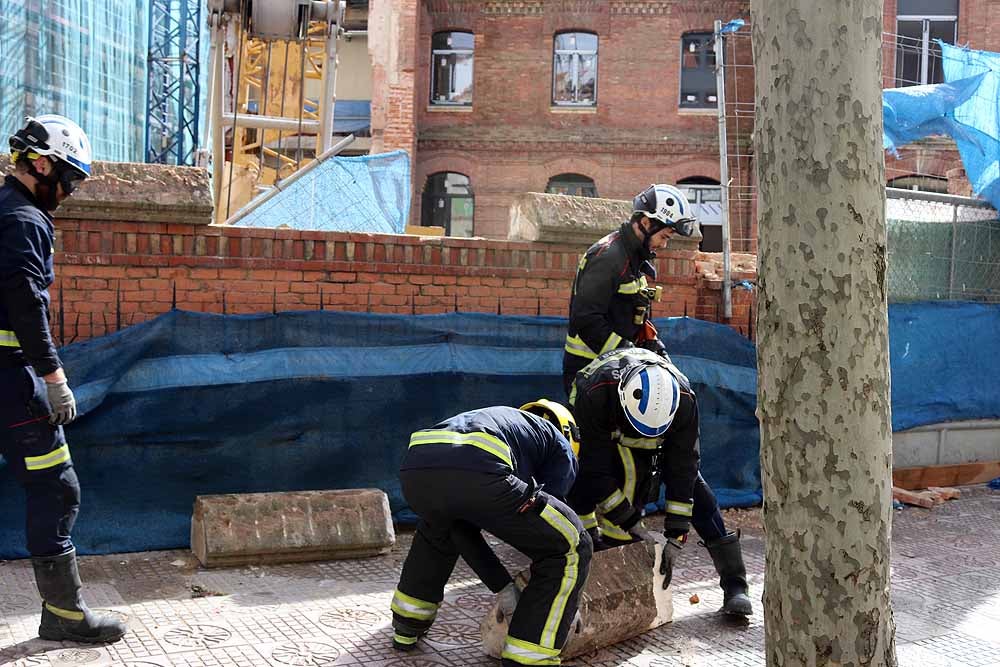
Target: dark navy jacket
x=498, y=439
x=27, y=237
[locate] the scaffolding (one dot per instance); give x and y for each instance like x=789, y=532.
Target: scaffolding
x=174, y=77
x=84, y=59
x=939, y=246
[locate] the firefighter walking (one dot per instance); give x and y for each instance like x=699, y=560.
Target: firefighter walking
x=611, y=298
x=51, y=156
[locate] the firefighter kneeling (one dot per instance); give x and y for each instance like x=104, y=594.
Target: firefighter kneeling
x=485, y=470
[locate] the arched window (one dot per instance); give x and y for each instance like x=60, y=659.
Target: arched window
x=574, y=69
x=705, y=197
x=448, y=202
x=576, y=185
x=451, y=68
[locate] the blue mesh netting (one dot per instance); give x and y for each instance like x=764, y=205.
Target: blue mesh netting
x=80, y=58
x=370, y=193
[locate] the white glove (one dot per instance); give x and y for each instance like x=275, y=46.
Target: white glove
x=62, y=403
x=507, y=599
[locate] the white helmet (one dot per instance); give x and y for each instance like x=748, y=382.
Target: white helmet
x=668, y=206
x=55, y=137
x=649, y=394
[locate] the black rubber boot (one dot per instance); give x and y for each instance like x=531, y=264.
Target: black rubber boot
x=404, y=637
x=728, y=559
x=64, y=615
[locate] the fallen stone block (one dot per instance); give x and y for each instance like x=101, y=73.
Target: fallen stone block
x=623, y=598
x=290, y=527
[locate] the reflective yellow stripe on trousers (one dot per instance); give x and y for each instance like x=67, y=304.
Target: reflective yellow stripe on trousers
x=8, y=339
x=50, y=460
x=484, y=441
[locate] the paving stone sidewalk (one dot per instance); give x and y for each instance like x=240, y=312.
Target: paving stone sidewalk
x=946, y=593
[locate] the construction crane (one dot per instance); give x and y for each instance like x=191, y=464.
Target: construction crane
x=267, y=117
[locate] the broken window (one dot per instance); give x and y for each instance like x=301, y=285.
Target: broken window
x=698, y=90
x=451, y=68
x=919, y=24
x=448, y=202
x=574, y=69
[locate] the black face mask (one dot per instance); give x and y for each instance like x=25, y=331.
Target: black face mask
x=46, y=190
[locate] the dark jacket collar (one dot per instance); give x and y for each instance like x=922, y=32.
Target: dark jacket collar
x=20, y=188
x=633, y=244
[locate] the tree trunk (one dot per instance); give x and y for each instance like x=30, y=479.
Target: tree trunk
x=823, y=353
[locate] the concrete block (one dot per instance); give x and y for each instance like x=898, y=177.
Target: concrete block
x=294, y=526
x=915, y=448
x=568, y=220
x=971, y=442
x=622, y=598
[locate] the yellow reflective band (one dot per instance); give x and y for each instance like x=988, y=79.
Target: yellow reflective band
x=8, y=339
x=629, y=288
x=576, y=346
x=609, y=529
x=611, y=502
x=593, y=366
x=613, y=341
x=65, y=613
x=484, y=441
x=411, y=607
x=52, y=459
x=628, y=464
x=526, y=653
x=589, y=520
x=639, y=443
x=555, y=519
x=680, y=509
x=403, y=639
x=572, y=394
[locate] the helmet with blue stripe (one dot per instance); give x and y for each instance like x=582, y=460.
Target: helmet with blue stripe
x=668, y=206
x=57, y=138
x=649, y=394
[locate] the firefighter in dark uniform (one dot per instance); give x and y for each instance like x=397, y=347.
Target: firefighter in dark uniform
x=485, y=470
x=638, y=421
x=51, y=156
x=610, y=304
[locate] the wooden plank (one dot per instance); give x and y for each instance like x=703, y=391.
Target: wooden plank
x=946, y=476
x=913, y=498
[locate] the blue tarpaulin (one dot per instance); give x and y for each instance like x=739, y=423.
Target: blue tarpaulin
x=964, y=108
x=366, y=193
x=193, y=403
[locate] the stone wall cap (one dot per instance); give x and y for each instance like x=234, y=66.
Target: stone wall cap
x=139, y=193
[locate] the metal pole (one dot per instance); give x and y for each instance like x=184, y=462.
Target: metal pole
x=270, y=123
x=329, y=101
x=720, y=94
x=218, y=65
x=281, y=185
x=954, y=243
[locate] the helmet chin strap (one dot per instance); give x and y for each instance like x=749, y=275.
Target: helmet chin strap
x=647, y=234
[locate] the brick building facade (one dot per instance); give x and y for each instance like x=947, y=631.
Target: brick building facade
x=507, y=133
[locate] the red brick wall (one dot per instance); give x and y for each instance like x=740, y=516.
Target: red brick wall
x=132, y=271
x=512, y=141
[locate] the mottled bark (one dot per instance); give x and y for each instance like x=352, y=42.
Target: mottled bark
x=823, y=354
